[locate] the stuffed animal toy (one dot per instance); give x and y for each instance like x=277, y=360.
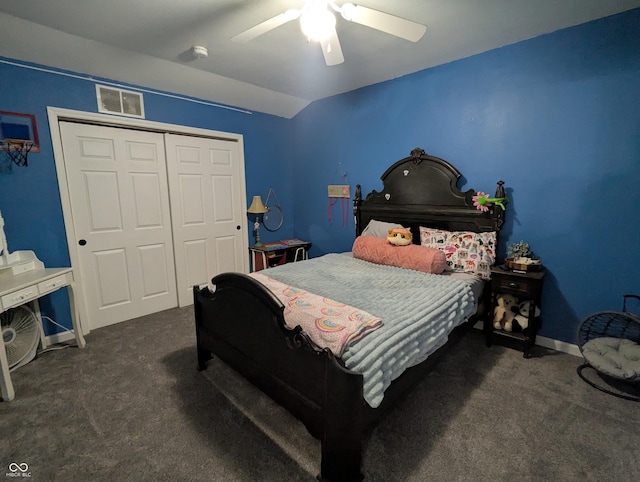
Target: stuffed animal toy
x=522, y=318
x=503, y=315
x=400, y=236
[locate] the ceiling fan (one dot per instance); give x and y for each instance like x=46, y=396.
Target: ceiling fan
x=318, y=23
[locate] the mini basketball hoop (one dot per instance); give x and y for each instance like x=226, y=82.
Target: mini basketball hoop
x=17, y=150
x=18, y=136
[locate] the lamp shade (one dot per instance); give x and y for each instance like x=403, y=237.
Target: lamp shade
x=256, y=206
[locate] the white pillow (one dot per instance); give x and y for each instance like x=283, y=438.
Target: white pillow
x=466, y=251
x=379, y=229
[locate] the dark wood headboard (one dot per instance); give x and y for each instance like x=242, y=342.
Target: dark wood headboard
x=421, y=190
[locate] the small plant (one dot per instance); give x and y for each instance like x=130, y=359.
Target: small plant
x=519, y=250
x=521, y=258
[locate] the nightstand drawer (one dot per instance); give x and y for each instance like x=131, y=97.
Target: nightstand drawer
x=523, y=286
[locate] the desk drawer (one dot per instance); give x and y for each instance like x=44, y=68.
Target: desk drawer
x=52, y=284
x=19, y=297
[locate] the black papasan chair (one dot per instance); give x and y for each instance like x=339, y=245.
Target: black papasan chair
x=610, y=344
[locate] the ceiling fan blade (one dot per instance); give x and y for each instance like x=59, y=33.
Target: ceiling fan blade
x=331, y=49
x=266, y=26
x=384, y=22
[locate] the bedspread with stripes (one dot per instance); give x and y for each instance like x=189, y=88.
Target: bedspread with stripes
x=418, y=310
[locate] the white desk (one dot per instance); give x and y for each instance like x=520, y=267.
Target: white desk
x=16, y=290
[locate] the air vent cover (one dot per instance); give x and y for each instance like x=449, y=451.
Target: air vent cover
x=118, y=101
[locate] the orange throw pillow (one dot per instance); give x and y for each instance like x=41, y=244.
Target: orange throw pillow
x=413, y=256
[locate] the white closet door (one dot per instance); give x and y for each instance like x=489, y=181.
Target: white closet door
x=118, y=193
x=205, y=186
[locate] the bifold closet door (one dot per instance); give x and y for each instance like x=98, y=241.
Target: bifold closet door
x=117, y=183
x=205, y=188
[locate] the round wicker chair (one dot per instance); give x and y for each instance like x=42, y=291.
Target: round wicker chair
x=610, y=344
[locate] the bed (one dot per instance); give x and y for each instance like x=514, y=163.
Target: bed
x=242, y=322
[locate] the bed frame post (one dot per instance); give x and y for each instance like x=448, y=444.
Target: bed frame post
x=357, y=200
x=498, y=212
x=342, y=425
x=204, y=355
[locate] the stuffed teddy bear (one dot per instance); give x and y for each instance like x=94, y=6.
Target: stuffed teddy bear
x=503, y=315
x=522, y=318
x=399, y=236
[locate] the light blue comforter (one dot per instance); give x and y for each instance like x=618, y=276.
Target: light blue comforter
x=418, y=310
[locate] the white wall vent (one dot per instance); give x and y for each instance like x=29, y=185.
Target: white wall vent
x=118, y=101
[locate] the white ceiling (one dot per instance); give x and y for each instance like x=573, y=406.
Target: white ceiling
x=147, y=43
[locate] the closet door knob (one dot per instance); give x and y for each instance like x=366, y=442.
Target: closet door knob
x=238, y=227
x=82, y=242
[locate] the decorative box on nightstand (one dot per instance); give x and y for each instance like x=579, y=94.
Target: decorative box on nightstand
x=524, y=286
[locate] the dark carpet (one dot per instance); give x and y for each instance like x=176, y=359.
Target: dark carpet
x=132, y=406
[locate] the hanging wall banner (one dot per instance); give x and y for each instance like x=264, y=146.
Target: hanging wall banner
x=339, y=190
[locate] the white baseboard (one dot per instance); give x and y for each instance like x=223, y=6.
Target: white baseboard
x=59, y=338
x=557, y=345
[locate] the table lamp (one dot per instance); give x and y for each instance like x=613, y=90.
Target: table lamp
x=258, y=209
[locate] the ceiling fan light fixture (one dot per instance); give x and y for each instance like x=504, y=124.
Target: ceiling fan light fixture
x=317, y=23
x=347, y=11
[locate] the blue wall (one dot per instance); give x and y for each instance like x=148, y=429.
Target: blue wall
x=556, y=117
x=29, y=196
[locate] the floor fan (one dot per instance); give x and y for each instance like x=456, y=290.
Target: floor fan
x=21, y=335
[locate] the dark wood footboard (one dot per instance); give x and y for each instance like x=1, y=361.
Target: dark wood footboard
x=242, y=323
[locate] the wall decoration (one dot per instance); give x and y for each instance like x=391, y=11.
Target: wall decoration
x=339, y=191
x=18, y=136
x=21, y=127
